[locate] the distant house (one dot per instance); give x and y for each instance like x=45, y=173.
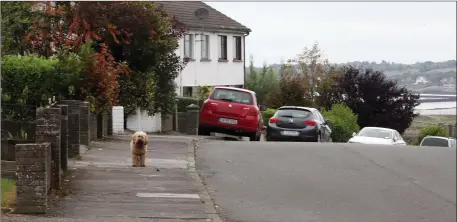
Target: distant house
x=214, y=48
x=420, y=80
x=449, y=84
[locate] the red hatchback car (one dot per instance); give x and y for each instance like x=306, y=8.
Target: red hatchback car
x=232, y=111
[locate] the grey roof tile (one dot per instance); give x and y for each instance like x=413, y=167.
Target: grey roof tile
x=184, y=11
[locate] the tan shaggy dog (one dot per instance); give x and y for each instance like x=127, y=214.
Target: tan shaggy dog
x=139, y=148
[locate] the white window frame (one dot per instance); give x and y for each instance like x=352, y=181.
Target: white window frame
x=221, y=56
x=205, y=47
x=235, y=48
x=189, y=42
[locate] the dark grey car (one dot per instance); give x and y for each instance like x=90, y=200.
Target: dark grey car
x=295, y=123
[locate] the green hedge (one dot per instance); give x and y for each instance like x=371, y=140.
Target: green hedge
x=432, y=130
x=29, y=79
x=183, y=102
x=267, y=114
x=343, y=122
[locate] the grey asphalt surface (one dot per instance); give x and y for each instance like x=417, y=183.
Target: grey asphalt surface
x=288, y=182
x=105, y=187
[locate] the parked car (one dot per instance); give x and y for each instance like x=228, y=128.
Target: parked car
x=377, y=135
x=232, y=111
x=295, y=123
x=438, y=141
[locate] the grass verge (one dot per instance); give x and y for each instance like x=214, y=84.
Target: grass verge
x=8, y=192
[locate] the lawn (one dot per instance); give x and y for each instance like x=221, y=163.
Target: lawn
x=8, y=192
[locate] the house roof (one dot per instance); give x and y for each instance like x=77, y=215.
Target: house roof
x=184, y=11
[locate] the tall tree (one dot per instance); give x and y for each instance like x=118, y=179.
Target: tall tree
x=261, y=82
x=16, y=17
x=376, y=100
x=312, y=65
x=290, y=90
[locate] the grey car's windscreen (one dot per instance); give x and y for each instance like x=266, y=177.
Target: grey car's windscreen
x=234, y=96
x=294, y=113
x=430, y=141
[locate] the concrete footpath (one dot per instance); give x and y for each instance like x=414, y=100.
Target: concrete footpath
x=106, y=188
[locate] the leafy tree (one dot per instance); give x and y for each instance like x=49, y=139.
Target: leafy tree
x=326, y=85
x=263, y=82
x=312, y=65
x=376, y=100
x=343, y=122
x=291, y=90
x=138, y=33
x=252, y=75
x=17, y=17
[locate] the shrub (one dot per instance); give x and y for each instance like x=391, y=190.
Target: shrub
x=205, y=92
x=183, y=102
x=432, y=130
x=343, y=122
x=30, y=80
x=267, y=114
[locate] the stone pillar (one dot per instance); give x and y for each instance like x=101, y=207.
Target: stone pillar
x=33, y=165
x=48, y=131
x=64, y=137
x=73, y=127
x=84, y=113
x=192, y=113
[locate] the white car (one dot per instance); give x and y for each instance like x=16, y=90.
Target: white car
x=438, y=141
x=377, y=135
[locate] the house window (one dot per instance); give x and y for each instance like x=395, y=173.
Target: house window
x=237, y=49
x=188, y=46
x=223, y=47
x=187, y=91
x=205, y=46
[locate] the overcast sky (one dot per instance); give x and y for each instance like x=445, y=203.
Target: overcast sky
x=403, y=32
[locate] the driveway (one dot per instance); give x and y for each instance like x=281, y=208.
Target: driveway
x=268, y=181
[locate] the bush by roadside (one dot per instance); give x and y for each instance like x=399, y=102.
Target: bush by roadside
x=183, y=102
x=343, y=122
x=267, y=114
x=431, y=130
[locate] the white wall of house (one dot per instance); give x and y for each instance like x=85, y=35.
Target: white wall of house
x=211, y=72
x=141, y=121
x=118, y=119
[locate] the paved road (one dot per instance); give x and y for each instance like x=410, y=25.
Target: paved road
x=106, y=188
x=287, y=182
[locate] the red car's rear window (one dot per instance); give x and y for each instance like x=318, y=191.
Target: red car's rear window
x=234, y=96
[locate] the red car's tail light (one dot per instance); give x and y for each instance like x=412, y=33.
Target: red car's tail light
x=274, y=120
x=208, y=105
x=253, y=112
x=310, y=122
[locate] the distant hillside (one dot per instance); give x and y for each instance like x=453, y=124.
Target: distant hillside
x=424, y=77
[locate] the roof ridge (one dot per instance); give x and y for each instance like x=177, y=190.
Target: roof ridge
x=224, y=14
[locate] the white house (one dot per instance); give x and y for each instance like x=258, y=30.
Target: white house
x=214, y=47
